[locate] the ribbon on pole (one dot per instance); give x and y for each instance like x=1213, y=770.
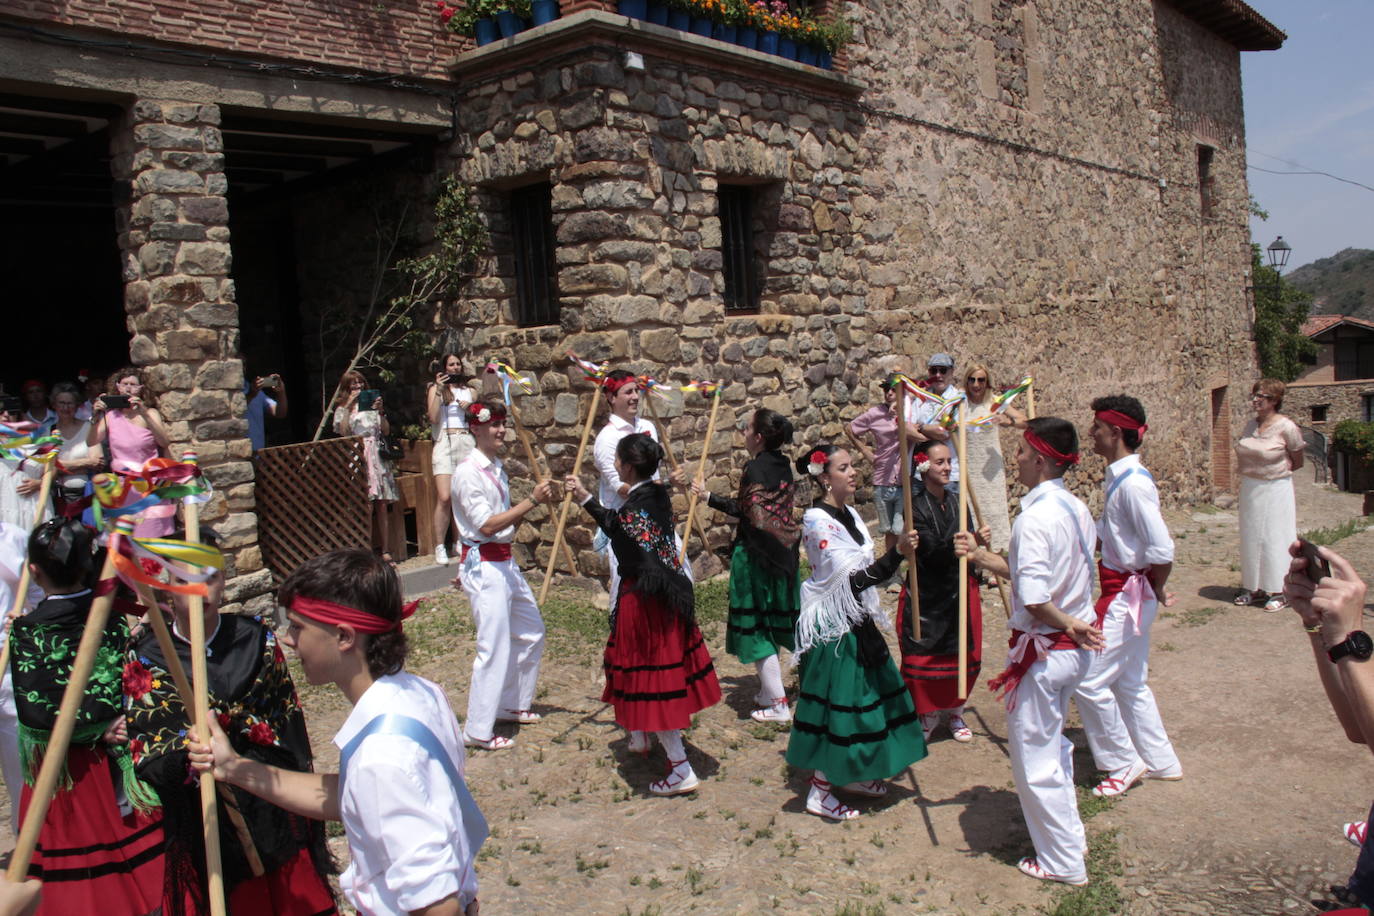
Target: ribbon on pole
x=1000, y=402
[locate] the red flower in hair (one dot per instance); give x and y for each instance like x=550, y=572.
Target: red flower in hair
x=817, y=457
x=150, y=566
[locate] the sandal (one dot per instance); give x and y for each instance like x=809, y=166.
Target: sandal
x=1275, y=603
x=822, y=803
x=1355, y=832
x=1245, y=599
x=1029, y=866
x=521, y=716
x=874, y=788
x=960, y=730
x=494, y=743
x=676, y=783
x=1113, y=786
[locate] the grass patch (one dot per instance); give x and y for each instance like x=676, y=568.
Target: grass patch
x=1329, y=536
x=1165, y=647
x=1196, y=617
x=1100, y=896
x=861, y=909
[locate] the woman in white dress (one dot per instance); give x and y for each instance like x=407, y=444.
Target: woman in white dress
x=1270, y=449
x=986, y=468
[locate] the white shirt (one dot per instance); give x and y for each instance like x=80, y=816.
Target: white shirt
x=603, y=453
x=1051, y=556
x=480, y=489
x=1132, y=529
x=920, y=413
x=399, y=810
x=451, y=415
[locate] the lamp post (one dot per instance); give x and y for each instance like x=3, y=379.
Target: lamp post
x=1278, y=251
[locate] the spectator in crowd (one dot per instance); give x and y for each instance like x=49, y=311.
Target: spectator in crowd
x=92, y=386
x=266, y=396
x=1268, y=452
x=926, y=415
x=359, y=411
x=20, y=486
x=986, y=466
x=445, y=400
x=128, y=423
x=880, y=423
x=79, y=459
x=35, y=395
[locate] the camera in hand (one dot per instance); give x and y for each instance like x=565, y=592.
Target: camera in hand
x=1317, y=568
x=367, y=399
x=116, y=401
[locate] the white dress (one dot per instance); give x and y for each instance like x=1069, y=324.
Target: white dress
x=987, y=473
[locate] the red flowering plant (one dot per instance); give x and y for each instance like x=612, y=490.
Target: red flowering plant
x=461, y=18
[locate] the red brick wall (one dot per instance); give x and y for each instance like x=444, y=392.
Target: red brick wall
x=387, y=36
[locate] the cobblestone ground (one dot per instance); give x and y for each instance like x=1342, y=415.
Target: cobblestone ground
x=1253, y=828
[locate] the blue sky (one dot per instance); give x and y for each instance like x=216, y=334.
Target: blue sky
x=1309, y=106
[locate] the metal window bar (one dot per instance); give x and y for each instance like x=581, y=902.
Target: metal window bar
x=536, y=284
x=737, y=248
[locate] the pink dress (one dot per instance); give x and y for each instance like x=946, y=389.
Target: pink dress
x=130, y=446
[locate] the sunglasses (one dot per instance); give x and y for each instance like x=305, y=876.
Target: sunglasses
x=938, y=370
x=974, y=379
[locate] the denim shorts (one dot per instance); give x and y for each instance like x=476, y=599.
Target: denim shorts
x=889, y=503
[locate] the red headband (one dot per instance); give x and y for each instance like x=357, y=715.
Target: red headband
x=612, y=385
x=1049, y=451
x=336, y=614
x=1119, y=419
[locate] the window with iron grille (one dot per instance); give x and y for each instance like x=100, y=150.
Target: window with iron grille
x=536, y=282
x=737, y=248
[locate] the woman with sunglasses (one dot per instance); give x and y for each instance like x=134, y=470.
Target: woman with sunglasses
x=1268, y=452
x=986, y=467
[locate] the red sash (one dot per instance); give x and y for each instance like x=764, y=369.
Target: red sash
x=1114, y=583
x=490, y=551
x=1026, y=650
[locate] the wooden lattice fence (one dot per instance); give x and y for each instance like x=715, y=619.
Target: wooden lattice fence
x=311, y=498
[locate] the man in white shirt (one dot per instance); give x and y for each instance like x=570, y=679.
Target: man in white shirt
x=621, y=389
x=1120, y=716
x=925, y=414
x=510, y=632
x=413, y=829
x=1049, y=565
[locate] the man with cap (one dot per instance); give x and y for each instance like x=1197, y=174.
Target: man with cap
x=924, y=415
x=1120, y=716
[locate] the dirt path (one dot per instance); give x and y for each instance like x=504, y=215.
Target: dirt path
x=1253, y=828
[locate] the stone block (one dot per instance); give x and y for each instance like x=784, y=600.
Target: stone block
x=177, y=232
x=222, y=429
x=662, y=345
x=167, y=136
x=181, y=290
x=208, y=210
x=157, y=258
x=600, y=346
x=220, y=374
x=227, y=475
x=168, y=181
x=591, y=278
x=194, y=344
x=213, y=314
x=243, y=587
x=593, y=226
x=204, y=258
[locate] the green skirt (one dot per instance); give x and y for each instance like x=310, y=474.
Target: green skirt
x=853, y=723
x=763, y=609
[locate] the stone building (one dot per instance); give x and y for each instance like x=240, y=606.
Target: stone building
x=1338, y=385
x=1050, y=189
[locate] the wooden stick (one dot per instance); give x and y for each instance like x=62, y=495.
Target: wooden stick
x=966, y=480
x=55, y=756
x=913, y=593
x=538, y=469
x=567, y=500
x=701, y=470
x=21, y=594
x=963, y=560
x=209, y=811
x=672, y=459
x=1030, y=401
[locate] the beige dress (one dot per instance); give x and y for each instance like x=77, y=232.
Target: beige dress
x=987, y=472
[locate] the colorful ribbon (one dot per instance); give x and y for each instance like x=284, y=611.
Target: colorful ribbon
x=507, y=375
x=136, y=561
x=707, y=389
x=592, y=371
x=653, y=386
x=1001, y=401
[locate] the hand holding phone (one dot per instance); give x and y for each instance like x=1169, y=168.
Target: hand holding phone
x=367, y=399
x=116, y=401
x=1317, y=568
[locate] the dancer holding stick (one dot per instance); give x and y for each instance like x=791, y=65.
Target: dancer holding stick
x=624, y=397
x=712, y=391
x=95, y=859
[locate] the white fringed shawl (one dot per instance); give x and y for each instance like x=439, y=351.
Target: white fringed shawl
x=829, y=608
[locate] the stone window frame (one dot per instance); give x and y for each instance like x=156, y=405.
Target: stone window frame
x=529, y=208
x=1318, y=412
x=737, y=205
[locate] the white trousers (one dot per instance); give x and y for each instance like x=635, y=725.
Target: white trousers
x=1042, y=760
x=510, y=642
x=1268, y=524
x=10, y=764
x=1120, y=716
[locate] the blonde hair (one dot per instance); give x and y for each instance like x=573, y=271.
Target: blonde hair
x=987, y=389
x=1270, y=388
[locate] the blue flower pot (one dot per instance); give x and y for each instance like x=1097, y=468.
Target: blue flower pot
x=702, y=26
x=544, y=11
x=509, y=24
x=806, y=54
x=635, y=9
x=747, y=37
x=768, y=42
x=658, y=14
x=787, y=48
x=825, y=60
x=722, y=32
x=680, y=20
x=485, y=31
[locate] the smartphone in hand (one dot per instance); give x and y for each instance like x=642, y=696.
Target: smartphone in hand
x=116, y=401
x=367, y=399
x=1317, y=568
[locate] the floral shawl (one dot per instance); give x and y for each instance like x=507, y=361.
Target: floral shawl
x=647, y=548
x=829, y=607
x=765, y=507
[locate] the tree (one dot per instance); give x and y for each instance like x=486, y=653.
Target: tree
x=1280, y=310
x=404, y=289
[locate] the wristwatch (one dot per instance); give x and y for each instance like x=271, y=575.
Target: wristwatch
x=1357, y=645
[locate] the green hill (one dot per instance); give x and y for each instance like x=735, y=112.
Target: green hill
x=1341, y=284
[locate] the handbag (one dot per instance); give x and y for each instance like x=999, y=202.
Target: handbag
x=389, y=448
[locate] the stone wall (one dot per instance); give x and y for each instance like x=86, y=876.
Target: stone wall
x=1043, y=222
x=396, y=38
x=169, y=171
x=1343, y=401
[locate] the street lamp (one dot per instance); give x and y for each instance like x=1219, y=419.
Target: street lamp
x=1279, y=250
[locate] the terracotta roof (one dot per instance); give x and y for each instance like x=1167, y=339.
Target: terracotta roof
x=1316, y=324
x=1235, y=21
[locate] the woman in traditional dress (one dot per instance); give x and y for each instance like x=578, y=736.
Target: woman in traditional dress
x=134, y=435
x=445, y=400
x=1269, y=451
x=930, y=665
x=854, y=724
x=764, y=581
x=986, y=468
x=658, y=670
x=100, y=847
x=368, y=420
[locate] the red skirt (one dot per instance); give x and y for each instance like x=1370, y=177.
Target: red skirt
x=90, y=859
x=295, y=889
x=933, y=680
x=658, y=671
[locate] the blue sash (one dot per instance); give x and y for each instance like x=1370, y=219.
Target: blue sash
x=474, y=824
x=1116, y=483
